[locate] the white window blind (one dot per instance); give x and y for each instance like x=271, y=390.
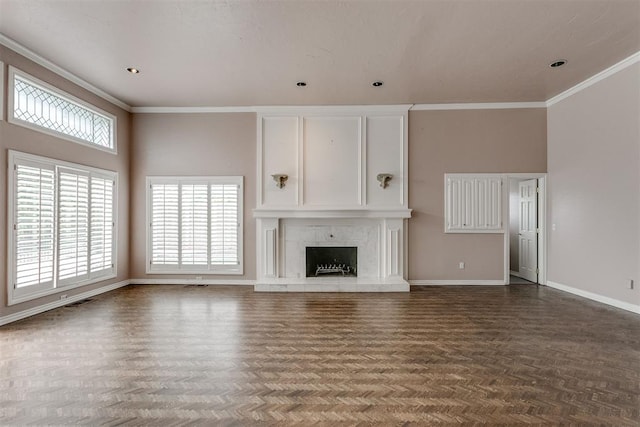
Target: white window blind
x=194, y=224
x=165, y=231
x=34, y=225
x=73, y=225
x=62, y=215
x=224, y=224
x=101, y=224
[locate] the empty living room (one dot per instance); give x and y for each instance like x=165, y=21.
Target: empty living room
x=319, y=212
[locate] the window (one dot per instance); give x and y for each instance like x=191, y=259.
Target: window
x=61, y=225
x=194, y=225
x=37, y=105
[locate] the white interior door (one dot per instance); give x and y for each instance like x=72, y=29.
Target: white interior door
x=527, y=233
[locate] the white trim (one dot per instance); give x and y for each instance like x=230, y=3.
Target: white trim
x=332, y=212
x=595, y=79
x=29, y=54
x=477, y=106
x=456, y=282
x=2, y=90
x=12, y=158
x=310, y=110
x=183, y=110
x=59, y=303
x=542, y=224
x=230, y=282
x=208, y=269
x=44, y=86
x=515, y=273
x=634, y=308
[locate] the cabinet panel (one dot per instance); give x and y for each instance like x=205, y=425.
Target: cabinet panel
x=332, y=161
x=385, y=153
x=473, y=203
x=280, y=156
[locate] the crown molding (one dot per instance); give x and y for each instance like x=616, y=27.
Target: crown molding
x=320, y=109
x=478, y=106
x=29, y=54
x=167, y=110
x=595, y=79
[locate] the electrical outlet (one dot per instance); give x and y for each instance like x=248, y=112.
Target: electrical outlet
x=461, y=266
x=198, y=277
x=630, y=283
x=64, y=296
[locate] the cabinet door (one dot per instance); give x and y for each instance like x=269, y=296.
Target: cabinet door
x=459, y=203
x=473, y=203
x=489, y=198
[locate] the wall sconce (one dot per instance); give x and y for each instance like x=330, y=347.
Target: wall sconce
x=280, y=179
x=384, y=179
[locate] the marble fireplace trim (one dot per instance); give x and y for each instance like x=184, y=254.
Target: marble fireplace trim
x=380, y=239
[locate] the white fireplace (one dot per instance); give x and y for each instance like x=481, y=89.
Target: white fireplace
x=332, y=177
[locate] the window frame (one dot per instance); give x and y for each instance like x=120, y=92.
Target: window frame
x=11, y=118
x=19, y=295
x=1, y=91
x=209, y=269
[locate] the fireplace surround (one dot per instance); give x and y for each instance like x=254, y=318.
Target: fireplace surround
x=341, y=182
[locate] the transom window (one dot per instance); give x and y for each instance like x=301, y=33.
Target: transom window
x=40, y=106
x=194, y=225
x=61, y=225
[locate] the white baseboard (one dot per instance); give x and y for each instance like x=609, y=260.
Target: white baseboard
x=595, y=297
x=457, y=282
x=515, y=273
x=59, y=303
x=233, y=282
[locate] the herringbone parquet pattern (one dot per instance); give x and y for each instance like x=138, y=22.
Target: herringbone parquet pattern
x=174, y=355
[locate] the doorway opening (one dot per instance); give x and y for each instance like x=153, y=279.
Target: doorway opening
x=525, y=244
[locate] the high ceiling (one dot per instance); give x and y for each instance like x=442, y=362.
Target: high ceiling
x=252, y=52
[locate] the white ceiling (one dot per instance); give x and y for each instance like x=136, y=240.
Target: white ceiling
x=251, y=52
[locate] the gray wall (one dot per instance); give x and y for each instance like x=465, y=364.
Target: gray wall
x=192, y=144
x=464, y=141
x=594, y=187
x=29, y=141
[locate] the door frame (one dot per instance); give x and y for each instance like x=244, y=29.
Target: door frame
x=542, y=223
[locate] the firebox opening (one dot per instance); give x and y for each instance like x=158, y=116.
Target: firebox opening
x=332, y=261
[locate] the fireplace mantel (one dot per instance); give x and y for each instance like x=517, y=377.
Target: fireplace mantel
x=331, y=213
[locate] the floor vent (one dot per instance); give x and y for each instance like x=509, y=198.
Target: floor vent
x=195, y=286
x=77, y=303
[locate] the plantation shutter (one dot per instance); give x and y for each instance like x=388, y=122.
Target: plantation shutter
x=34, y=225
x=224, y=224
x=195, y=224
x=73, y=226
x=102, y=225
x=165, y=228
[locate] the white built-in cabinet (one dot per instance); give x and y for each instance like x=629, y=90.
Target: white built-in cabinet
x=473, y=203
x=332, y=158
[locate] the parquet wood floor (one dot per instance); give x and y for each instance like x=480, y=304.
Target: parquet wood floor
x=175, y=355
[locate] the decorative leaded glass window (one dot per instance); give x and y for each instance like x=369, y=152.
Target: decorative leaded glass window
x=40, y=106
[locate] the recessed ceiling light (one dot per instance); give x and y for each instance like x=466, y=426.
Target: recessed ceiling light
x=301, y=84
x=133, y=70
x=558, y=63
x=377, y=83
